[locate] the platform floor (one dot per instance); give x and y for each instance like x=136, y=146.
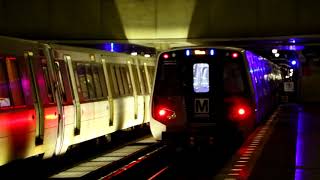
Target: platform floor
x=293, y=149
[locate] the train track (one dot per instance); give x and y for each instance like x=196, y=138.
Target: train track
x=139, y=141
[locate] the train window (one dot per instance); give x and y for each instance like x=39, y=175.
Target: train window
x=124, y=80
x=89, y=80
x=128, y=80
x=63, y=91
x=136, y=80
x=201, y=77
x=4, y=88
x=14, y=82
x=115, y=90
x=151, y=73
x=81, y=75
x=119, y=80
x=102, y=82
x=144, y=79
x=233, y=79
x=96, y=80
x=47, y=83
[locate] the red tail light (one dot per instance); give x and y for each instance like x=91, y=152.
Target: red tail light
x=165, y=56
x=163, y=109
x=235, y=55
x=163, y=114
x=239, y=112
x=238, y=108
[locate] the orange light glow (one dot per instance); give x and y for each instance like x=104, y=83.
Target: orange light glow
x=51, y=116
x=199, y=52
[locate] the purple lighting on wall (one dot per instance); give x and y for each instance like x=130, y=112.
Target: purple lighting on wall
x=299, y=149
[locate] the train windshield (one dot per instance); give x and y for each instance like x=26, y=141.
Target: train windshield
x=233, y=78
x=221, y=72
x=169, y=83
x=201, y=77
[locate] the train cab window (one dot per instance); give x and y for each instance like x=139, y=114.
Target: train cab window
x=233, y=79
x=169, y=81
x=10, y=83
x=136, y=80
x=97, y=81
x=201, y=77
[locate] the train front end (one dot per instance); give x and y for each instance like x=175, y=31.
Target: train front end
x=199, y=94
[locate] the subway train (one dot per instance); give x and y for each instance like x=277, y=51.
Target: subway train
x=203, y=95
x=53, y=97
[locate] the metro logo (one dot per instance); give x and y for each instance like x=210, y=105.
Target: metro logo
x=201, y=106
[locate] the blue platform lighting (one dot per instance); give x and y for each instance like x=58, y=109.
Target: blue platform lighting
x=113, y=47
x=293, y=62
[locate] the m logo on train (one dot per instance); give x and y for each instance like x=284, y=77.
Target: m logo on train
x=201, y=106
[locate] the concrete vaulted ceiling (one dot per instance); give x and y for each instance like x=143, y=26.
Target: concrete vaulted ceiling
x=160, y=23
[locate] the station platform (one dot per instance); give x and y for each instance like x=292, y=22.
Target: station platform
x=293, y=149
x=287, y=147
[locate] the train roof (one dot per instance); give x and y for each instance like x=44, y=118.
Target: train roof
x=199, y=47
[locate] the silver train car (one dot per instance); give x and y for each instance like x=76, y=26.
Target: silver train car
x=205, y=94
x=54, y=96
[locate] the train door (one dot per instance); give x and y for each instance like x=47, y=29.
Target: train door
x=57, y=92
x=37, y=101
x=110, y=95
x=47, y=111
x=76, y=102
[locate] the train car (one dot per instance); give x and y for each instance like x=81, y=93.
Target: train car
x=53, y=96
x=203, y=94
